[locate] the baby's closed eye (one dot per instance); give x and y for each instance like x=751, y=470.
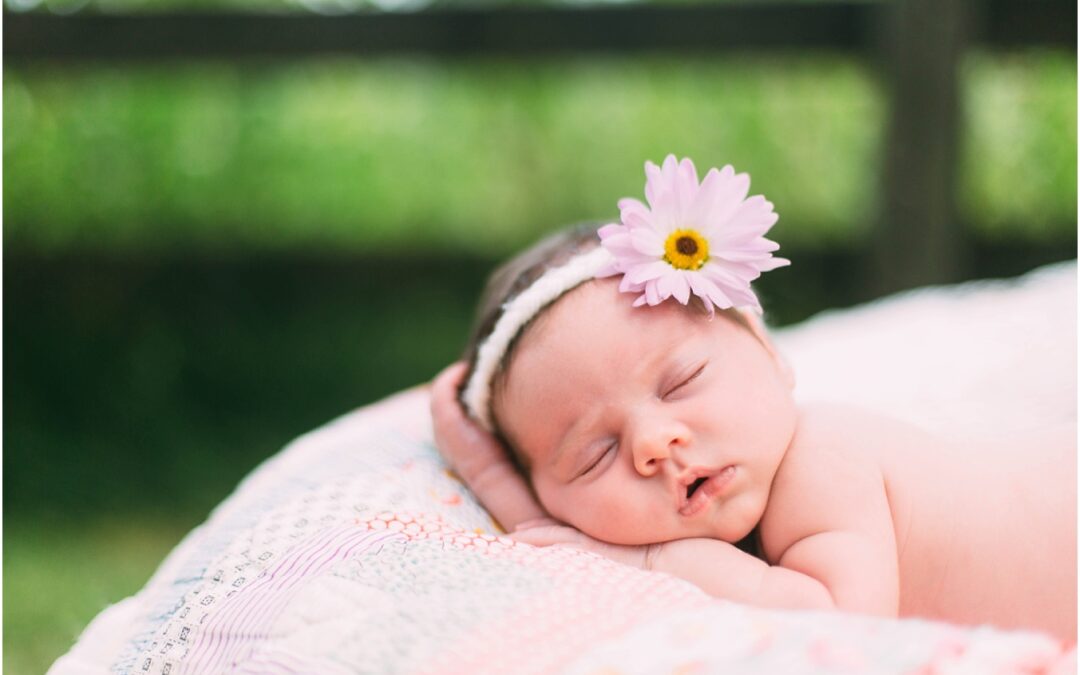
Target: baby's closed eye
x=595, y=462
x=685, y=381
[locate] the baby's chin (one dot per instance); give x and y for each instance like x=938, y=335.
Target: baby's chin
x=728, y=527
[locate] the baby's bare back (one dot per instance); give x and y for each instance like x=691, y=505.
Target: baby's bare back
x=985, y=529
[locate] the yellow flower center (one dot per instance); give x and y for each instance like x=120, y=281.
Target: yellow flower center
x=686, y=249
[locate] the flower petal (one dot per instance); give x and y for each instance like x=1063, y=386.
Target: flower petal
x=627, y=286
x=703, y=203
x=728, y=198
x=648, y=242
x=704, y=288
x=609, y=230
x=652, y=181
x=619, y=242
x=748, y=253
x=727, y=275
x=685, y=187
x=752, y=219
x=647, y=272
x=651, y=296
x=687, y=170
x=681, y=287
x=746, y=298
x=773, y=263
x=665, y=285
x=634, y=214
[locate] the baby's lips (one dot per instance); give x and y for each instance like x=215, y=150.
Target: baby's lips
x=715, y=483
x=686, y=479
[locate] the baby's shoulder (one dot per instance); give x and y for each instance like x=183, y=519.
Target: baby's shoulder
x=831, y=433
x=828, y=475
x=835, y=439
x=846, y=432
x=833, y=419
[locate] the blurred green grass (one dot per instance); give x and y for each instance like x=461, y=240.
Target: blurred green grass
x=59, y=574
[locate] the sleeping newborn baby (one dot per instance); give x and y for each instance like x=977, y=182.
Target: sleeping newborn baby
x=661, y=431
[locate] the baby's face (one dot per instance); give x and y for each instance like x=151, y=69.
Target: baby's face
x=622, y=411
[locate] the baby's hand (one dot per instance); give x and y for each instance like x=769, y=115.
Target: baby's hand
x=543, y=532
x=477, y=457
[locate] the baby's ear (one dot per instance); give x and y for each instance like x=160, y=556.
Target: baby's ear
x=757, y=327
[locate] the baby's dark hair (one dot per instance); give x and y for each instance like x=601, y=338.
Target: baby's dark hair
x=509, y=280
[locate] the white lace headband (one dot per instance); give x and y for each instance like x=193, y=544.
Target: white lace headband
x=518, y=312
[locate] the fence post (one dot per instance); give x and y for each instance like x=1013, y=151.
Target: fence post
x=918, y=239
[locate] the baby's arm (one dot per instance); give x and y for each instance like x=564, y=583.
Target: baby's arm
x=477, y=457
x=721, y=569
x=714, y=566
x=828, y=570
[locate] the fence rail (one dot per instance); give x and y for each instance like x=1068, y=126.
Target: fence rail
x=848, y=26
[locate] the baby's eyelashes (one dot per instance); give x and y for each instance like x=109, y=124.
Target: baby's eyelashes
x=686, y=381
x=594, y=463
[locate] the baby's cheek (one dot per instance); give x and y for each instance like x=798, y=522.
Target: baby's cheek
x=592, y=514
x=607, y=509
x=560, y=502
x=620, y=520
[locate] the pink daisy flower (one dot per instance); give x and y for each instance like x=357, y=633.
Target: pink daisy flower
x=703, y=239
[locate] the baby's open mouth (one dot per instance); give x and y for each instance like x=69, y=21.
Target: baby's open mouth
x=703, y=490
x=692, y=487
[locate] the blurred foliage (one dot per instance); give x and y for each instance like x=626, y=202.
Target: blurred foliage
x=413, y=154
x=1018, y=164
x=59, y=575
x=480, y=156
x=149, y=388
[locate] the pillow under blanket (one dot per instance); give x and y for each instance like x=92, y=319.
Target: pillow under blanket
x=356, y=550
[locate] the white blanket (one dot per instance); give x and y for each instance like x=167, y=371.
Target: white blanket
x=355, y=550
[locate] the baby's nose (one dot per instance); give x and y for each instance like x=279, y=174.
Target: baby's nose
x=657, y=444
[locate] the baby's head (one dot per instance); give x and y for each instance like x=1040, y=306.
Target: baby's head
x=635, y=424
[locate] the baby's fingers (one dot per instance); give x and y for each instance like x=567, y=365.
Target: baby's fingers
x=537, y=522
x=444, y=387
x=548, y=535
x=469, y=448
